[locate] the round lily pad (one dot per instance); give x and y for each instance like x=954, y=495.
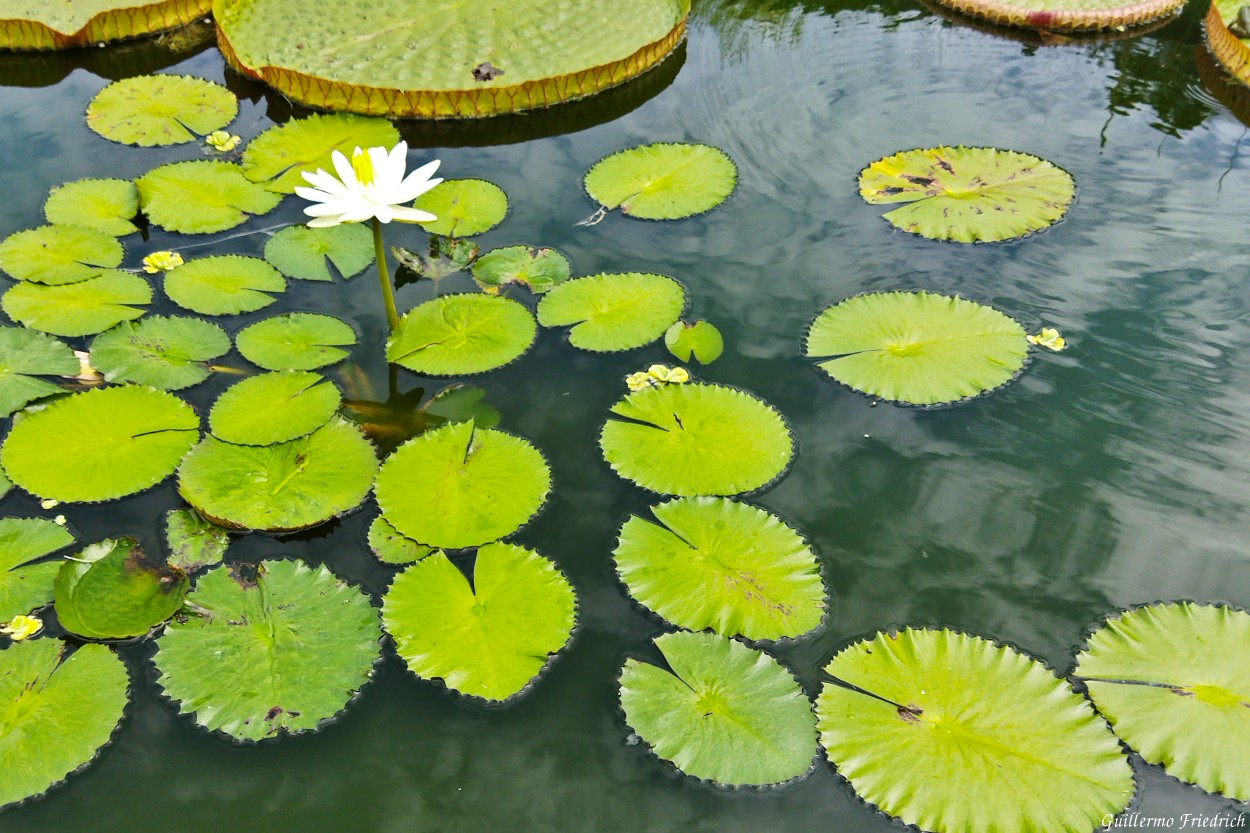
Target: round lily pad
x=281, y=155
x=696, y=439
x=25, y=355
x=89, y=22
x=150, y=110
x=274, y=407
x=456, y=335
x=202, y=196
x=464, y=207
x=662, y=181
x=108, y=205
x=539, y=270
x=917, y=348
x=1065, y=15
x=82, y=308
x=25, y=586
x=302, y=252
x=296, y=341
x=193, y=542
x=111, y=590
x=487, y=635
x=223, y=284
x=166, y=352
x=611, y=312
x=700, y=340
x=392, y=546
x=59, y=254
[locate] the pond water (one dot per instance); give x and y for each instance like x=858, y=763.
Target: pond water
x=1113, y=474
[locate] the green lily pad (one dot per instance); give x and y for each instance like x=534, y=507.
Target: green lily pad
x=1173, y=681
x=662, y=181
x=700, y=340
x=281, y=155
x=296, y=341
x=456, y=335
x=488, y=635
x=725, y=713
x=464, y=207
x=24, y=355
x=166, y=352
x=79, y=309
x=61, y=25
x=61, y=708
x=462, y=486
x=193, y=542
x=274, y=408
x=101, y=444
x=25, y=586
x=992, y=738
x=302, y=252
x=392, y=546
x=107, y=205
x=281, y=487
x=696, y=439
x=918, y=348
x=151, y=110
x=276, y=653
x=968, y=194
x=731, y=567
x=201, y=197
x=59, y=254
x=111, y=590
x=224, y=284
x=611, y=312
x=539, y=270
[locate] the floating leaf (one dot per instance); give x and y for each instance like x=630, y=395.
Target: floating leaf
x=700, y=340
x=82, y=308
x=151, y=110
x=224, y=284
x=611, y=312
x=281, y=487
x=167, y=352
x=1051, y=16
x=59, y=254
x=61, y=708
x=282, y=154
x=464, y=207
x=25, y=354
x=296, y=341
x=539, y=270
x=662, y=181
x=62, y=25
x=992, y=739
x=968, y=194
x=101, y=444
x=731, y=567
x=25, y=586
x=193, y=542
x=445, y=256
x=201, y=197
x=725, y=713
x=456, y=335
x=111, y=590
x=462, y=486
x=919, y=348
x=696, y=439
x=489, y=635
x=392, y=546
x=273, y=408
x=280, y=652
x=301, y=252
x=107, y=205
x=1173, y=681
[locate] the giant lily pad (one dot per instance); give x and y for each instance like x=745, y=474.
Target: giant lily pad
x=993, y=740
x=489, y=635
x=463, y=207
x=150, y=110
x=662, y=181
x=25, y=355
x=725, y=713
x=456, y=335
x=1226, y=46
x=918, y=348
x=82, y=308
x=59, y=254
x=25, y=586
x=296, y=341
x=281, y=155
x=224, y=284
x=612, y=312
x=696, y=439
x=26, y=25
x=1174, y=682
x=1066, y=16
x=108, y=205
x=273, y=408
x=111, y=590
x=167, y=352
x=539, y=270
x=201, y=197
x=278, y=652
x=302, y=252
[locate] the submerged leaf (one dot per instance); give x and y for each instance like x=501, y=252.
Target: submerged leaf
x=444, y=257
x=24, y=355
x=111, y=590
x=302, y=252
x=296, y=341
x=273, y=407
x=662, y=181
x=224, y=284
x=281, y=155
x=166, y=352
x=150, y=110
x=539, y=270
x=610, y=312
x=25, y=586
x=201, y=197
x=59, y=254
x=78, y=309
x=108, y=205
x=456, y=335
x=464, y=207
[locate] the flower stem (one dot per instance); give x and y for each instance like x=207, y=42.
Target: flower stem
x=384, y=276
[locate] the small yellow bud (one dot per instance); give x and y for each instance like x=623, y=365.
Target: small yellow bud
x=22, y=627
x=1049, y=337
x=639, y=380
x=222, y=141
x=161, y=262
x=668, y=375
x=48, y=503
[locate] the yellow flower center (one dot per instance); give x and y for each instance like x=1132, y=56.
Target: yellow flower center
x=363, y=166
x=22, y=627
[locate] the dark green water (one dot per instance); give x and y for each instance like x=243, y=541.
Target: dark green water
x=1114, y=474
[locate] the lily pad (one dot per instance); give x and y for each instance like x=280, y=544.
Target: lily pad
x=274, y=408
x=992, y=738
x=59, y=254
x=107, y=205
x=464, y=207
x=90, y=22
x=201, y=197
x=1227, y=47
x=487, y=635
x=151, y=110
x=111, y=590
x=712, y=563
x=918, y=348
x=696, y=439
x=392, y=546
x=281, y=487
x=1173, y=681
x=275, y=653
x=725, y=713
x=457, y=335
x=462, y=486
x=1059, y=16
x=281, y=155
x=166, y=352
x=100, y=445
x=78, y=309
x=25, y=586
x=296, y=341
x=611, y=312
x=193, y=542
x=224, y=284
x=301, y=252
x=25, y=355
x=700, y=340
x=662, y=181
x=968, y=194
x=538, y=270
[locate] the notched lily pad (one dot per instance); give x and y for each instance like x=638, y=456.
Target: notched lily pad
x=273, y=408
x=79, y=309
x=224, y=284
x=538, y=270
x=457, y=335
x=202, y=196
x=25, y=586
x=112, y=590
x=151, y=110
x=280, y=156
x=108, y=205
x=167, y=352
x=464, y=207
x=59, y=254
x=663, y=181
x=296, y=341
x=26, y=355
x=611, y=312
x=699, y=340
x=305, y=253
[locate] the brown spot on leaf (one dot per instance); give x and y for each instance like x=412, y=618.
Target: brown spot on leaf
x=245, y=575
x=485, y=71
x=910, y=713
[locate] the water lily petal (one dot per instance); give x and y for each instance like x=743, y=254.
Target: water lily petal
x=405, y=214
x=347, y=175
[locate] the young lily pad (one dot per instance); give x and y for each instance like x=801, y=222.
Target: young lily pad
x=24, y=355
x=193, y=542
x=392, y=546
x=992, y=738
x=201, y=197
x=279, y=652
x=918, y=348
x=281, y=487
x=224, y=284
x=59, y=254
x=274, y=407
x=79, y=309
x=489, y=635
x=700, y=340
x=539, y=270
x=25, y=586
x=464, y=207
x=731, y=567
x=462, y=486
x=302, y=252
x=662, y=181
x=1174, y=682
x=696, y=439
x=456, y=335
x=61, y=707
x=107, y=205
x=968, y=194
x=151, y=110
x=611, y=312
x=296, y=341
x=281, y=155
x=101, y=444
x=725, y=713
x=166, y=352
x=111, y=590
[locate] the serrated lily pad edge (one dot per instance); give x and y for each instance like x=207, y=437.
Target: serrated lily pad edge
x=732, y=191
x=118, y=24
x=1066, y=20
x=1225, y=47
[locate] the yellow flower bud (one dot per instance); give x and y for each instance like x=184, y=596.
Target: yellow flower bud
x=22, y=627
x=639, y=380
x=1049, y=337
x=161, y=262
x=222, y=141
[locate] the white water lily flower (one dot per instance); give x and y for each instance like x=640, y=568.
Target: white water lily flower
x=371, y=185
